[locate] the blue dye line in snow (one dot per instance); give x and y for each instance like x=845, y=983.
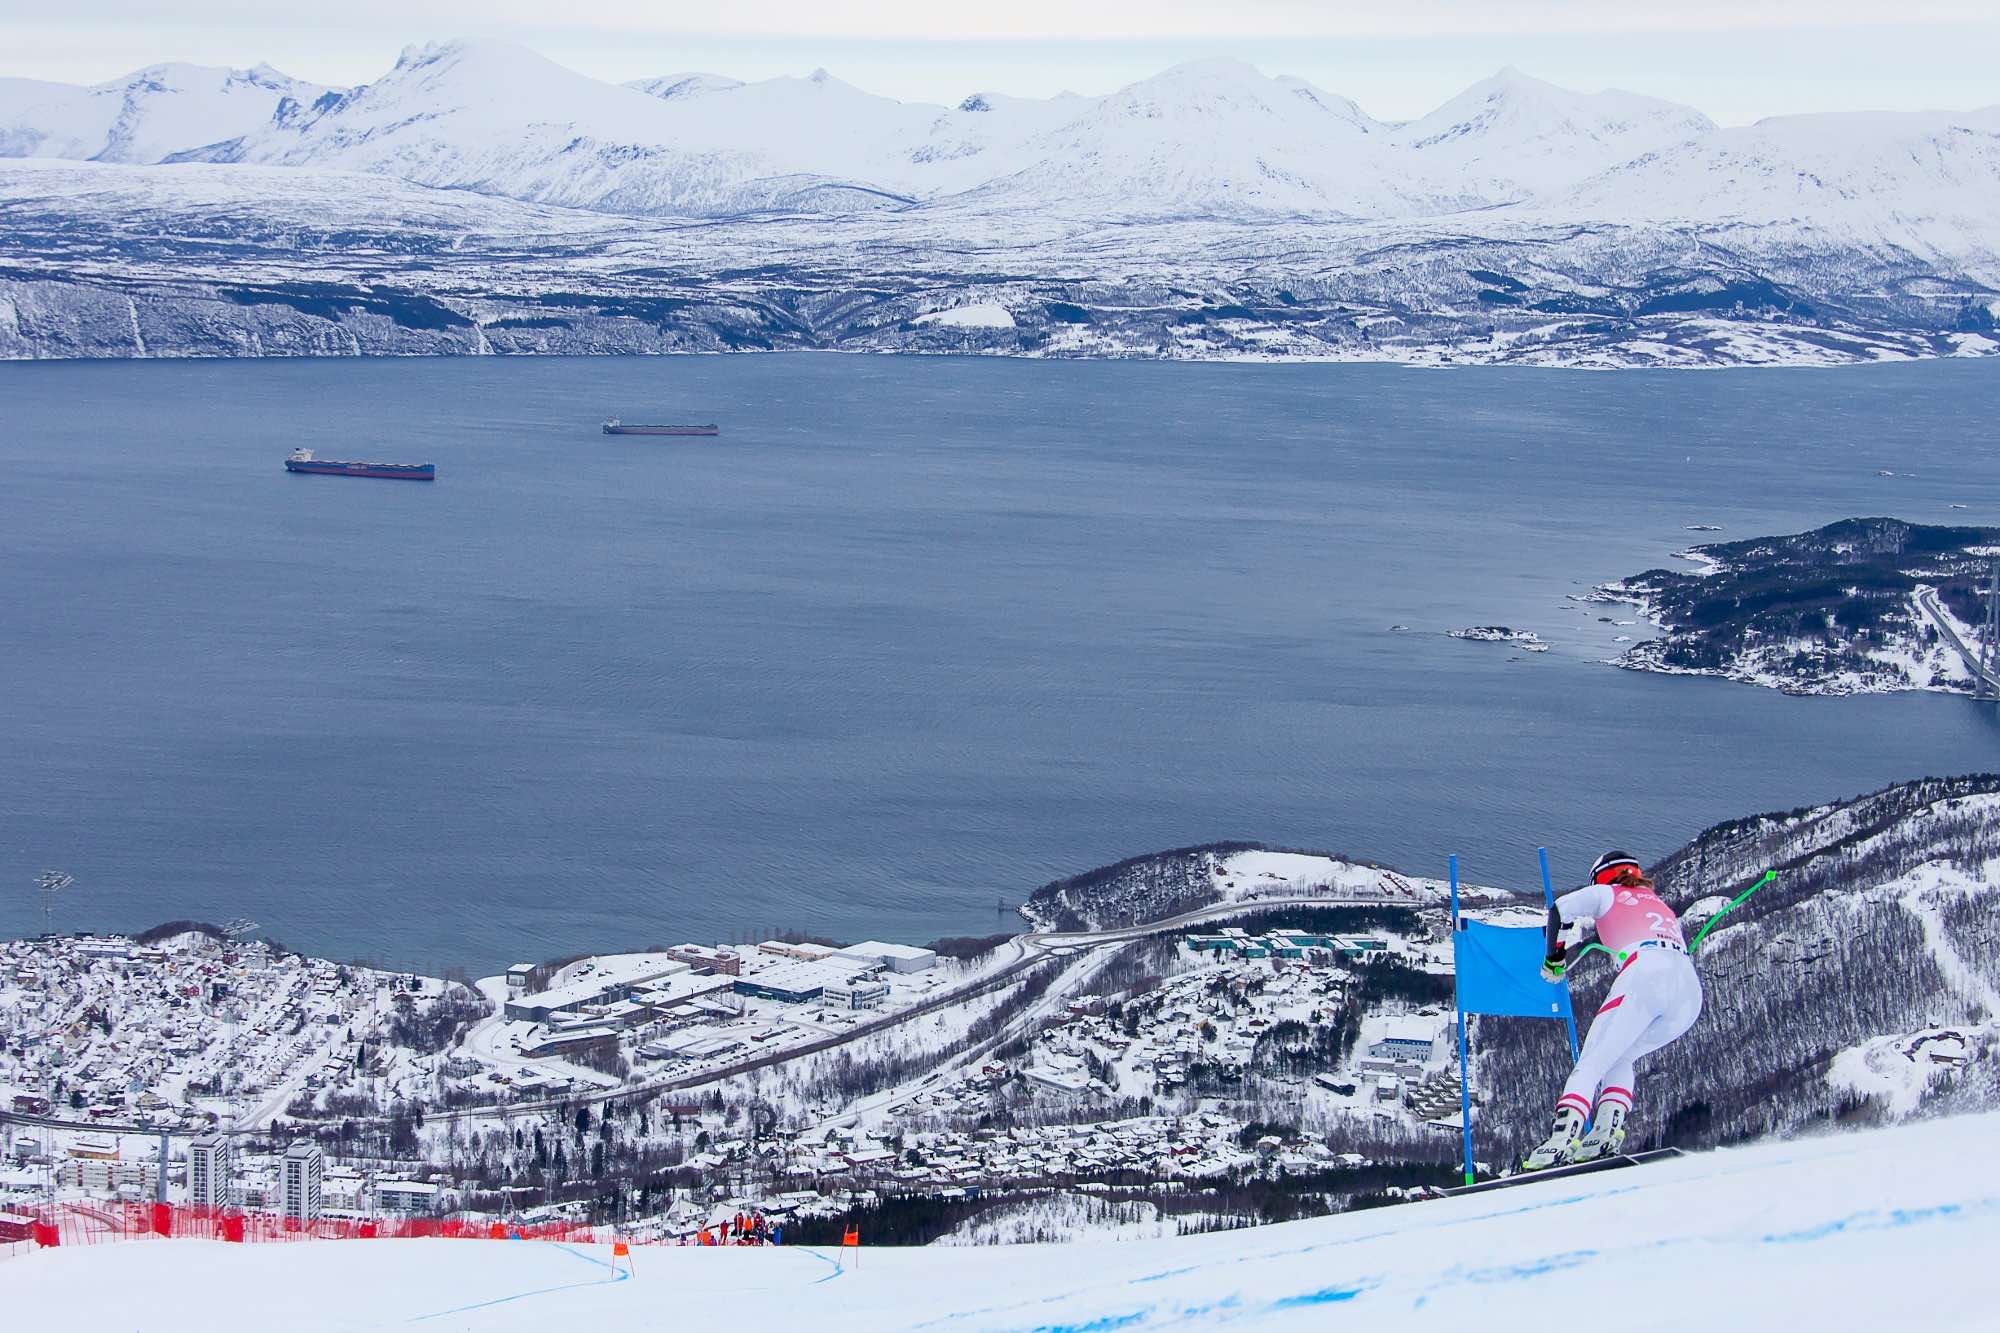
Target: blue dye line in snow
x=617, y=1275
x=1875, y=1219
x=1324, y=1296
x=1554, y=1263
x=1529, y=1270
x=1102, y=1324
x=836, y=1265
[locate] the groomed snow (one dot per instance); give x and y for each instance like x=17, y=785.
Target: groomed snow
x=1882, y=1229
x=985, y=315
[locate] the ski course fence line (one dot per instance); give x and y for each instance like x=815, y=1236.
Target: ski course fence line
x=104, y=1223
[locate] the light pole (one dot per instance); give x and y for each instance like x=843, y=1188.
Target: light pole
x=51, y=883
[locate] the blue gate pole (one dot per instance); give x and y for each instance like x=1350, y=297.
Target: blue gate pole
x=1549, y=894
x=1464, y=1076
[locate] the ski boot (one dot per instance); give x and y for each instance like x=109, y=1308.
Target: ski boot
x=1556, y=1150
x=1607, y=1133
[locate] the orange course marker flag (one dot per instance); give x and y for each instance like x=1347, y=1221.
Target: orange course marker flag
x=620, y=1250
x=852, y=1236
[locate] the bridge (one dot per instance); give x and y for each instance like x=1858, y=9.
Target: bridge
x=1981, y=657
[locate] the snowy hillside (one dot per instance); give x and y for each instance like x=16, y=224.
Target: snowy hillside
x=1188, y=879
x=1926, y=182
x=498, y=119
x=213, y=260
x=1214, y=138
x=147, y=116
x=1860, y=985
x=1511, y=136
x=1858, y=1230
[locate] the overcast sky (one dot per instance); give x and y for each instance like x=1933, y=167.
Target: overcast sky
x=1738, y=60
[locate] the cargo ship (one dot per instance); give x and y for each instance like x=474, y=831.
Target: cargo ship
x=302, y=460
x=616, y=427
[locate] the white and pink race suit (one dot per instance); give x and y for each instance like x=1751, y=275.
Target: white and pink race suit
x=1656, y=997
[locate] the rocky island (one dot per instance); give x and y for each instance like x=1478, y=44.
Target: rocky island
x=1525, y=639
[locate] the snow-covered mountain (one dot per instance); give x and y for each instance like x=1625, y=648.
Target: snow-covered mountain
x=1513, y=137
x=1207, y=211
x=1928, y=182
x=667, y=87
x=1212, y=138
x=146, y=117
x=498, y=119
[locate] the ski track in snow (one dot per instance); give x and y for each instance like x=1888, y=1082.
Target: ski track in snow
x=1894, y=1066
x=1967, y=982
x=616, y=1275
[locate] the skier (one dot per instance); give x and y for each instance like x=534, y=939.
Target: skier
x=1655, y=999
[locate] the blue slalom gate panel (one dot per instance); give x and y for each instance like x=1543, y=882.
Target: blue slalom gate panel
x=1499, y=972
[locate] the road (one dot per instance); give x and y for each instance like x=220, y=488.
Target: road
x=1928, y=602
x=1030, y=950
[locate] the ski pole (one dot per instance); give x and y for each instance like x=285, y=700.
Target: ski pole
x=1734, y=903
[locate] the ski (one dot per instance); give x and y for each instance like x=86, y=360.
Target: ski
x=1575, y=1169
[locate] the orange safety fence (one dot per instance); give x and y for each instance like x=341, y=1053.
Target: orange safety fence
x=101, y=1223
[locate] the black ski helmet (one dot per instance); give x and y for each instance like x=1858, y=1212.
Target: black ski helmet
x=1612, y=862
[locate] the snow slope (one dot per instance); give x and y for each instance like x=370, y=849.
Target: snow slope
x=498, y=119
x=1512, y=136
x=1923, y=181
x=1210, y=138
x=146, y=116
x=1865, y=1230
x=1213, y=137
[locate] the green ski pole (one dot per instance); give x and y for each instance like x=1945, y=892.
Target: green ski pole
x=1734, y=903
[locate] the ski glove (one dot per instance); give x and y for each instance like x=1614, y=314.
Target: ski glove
x=1553, y=970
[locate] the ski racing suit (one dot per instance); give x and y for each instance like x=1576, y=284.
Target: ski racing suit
x=1655, y=999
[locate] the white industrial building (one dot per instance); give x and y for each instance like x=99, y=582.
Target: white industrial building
x=407, y=1196
x=791, y=982
x=1403, y=1046
x=803, y=952
x=602, y=985
x=857, y=993
x=895, y=957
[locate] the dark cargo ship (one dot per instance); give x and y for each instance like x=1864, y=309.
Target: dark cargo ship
x=302, y=460
x=616, y=427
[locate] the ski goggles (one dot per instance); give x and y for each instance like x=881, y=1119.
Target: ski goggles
x=1616, y=871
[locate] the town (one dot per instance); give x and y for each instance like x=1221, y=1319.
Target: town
x=1260, y=1058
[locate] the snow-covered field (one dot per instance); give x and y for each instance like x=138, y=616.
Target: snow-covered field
x=1877, y=1229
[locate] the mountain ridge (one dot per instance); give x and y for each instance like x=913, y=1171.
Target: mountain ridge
x=1206, y=212
x=1213, y=137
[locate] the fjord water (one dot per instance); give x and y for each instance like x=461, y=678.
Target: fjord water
x=912, y=637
